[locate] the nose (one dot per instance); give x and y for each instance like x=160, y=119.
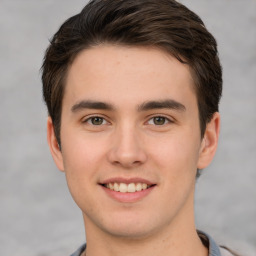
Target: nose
x=127, y=148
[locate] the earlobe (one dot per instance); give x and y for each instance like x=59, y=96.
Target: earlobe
x=209, y=142
x=54, y=146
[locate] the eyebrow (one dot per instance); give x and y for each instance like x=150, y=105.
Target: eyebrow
x=162, y=104
x=88, y=104
x=148, y=105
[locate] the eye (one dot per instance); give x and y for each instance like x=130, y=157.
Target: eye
x=95, y=120
x=158, y=120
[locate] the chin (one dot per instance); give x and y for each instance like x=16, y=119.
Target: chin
x=130, y=233
x=127, y=228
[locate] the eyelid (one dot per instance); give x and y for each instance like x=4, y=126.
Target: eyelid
x=90, y=117
x=168, y=119
x=106, y=121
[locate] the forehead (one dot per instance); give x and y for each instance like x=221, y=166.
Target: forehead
x=122, y=73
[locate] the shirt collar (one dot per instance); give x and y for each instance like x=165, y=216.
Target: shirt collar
x=205, y=238
x=210, y=243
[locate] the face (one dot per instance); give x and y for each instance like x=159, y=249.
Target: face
x=130, y=140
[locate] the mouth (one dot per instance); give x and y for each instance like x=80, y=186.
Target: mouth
x=127, y=188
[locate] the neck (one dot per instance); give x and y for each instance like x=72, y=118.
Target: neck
x=164, y=245
x=179, y=238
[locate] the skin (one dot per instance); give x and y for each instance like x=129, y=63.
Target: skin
x=130, y=141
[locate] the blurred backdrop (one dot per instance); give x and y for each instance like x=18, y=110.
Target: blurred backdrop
x=38, y=216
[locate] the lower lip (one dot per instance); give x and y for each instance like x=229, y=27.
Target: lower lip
x=128, y=197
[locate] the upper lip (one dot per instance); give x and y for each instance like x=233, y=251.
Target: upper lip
x=127, y=180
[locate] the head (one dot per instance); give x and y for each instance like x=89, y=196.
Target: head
x=132, y=89
x=164, y=24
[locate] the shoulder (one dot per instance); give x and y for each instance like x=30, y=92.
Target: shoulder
x=214, y=249
x=225, y=251
x=79, y=251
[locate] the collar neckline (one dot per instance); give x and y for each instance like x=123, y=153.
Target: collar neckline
x=205, y=238
x=209, y=243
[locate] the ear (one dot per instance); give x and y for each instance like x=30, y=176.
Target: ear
x=209, y=142
x=54, y=146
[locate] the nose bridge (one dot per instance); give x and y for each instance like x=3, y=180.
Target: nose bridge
x=127, y=147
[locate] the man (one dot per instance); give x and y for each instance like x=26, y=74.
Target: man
x=132, y=89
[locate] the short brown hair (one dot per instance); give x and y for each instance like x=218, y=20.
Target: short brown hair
x=164, y=24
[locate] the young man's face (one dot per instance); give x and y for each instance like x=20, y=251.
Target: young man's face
x=130, y=121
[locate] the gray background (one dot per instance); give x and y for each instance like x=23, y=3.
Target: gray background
x=37, y=214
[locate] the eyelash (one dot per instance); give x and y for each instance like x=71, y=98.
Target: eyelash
x=104, y=121
x=166, y=120
x=89, y=120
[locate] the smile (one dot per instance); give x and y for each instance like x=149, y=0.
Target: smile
x=127, y=188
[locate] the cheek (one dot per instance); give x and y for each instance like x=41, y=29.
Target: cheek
x=176, y=154
x=82, y=158
x=81, y=149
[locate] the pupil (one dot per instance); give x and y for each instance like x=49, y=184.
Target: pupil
x=159, y=120
x=97, y=120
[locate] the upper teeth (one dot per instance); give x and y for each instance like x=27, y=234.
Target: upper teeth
x=124, y=188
